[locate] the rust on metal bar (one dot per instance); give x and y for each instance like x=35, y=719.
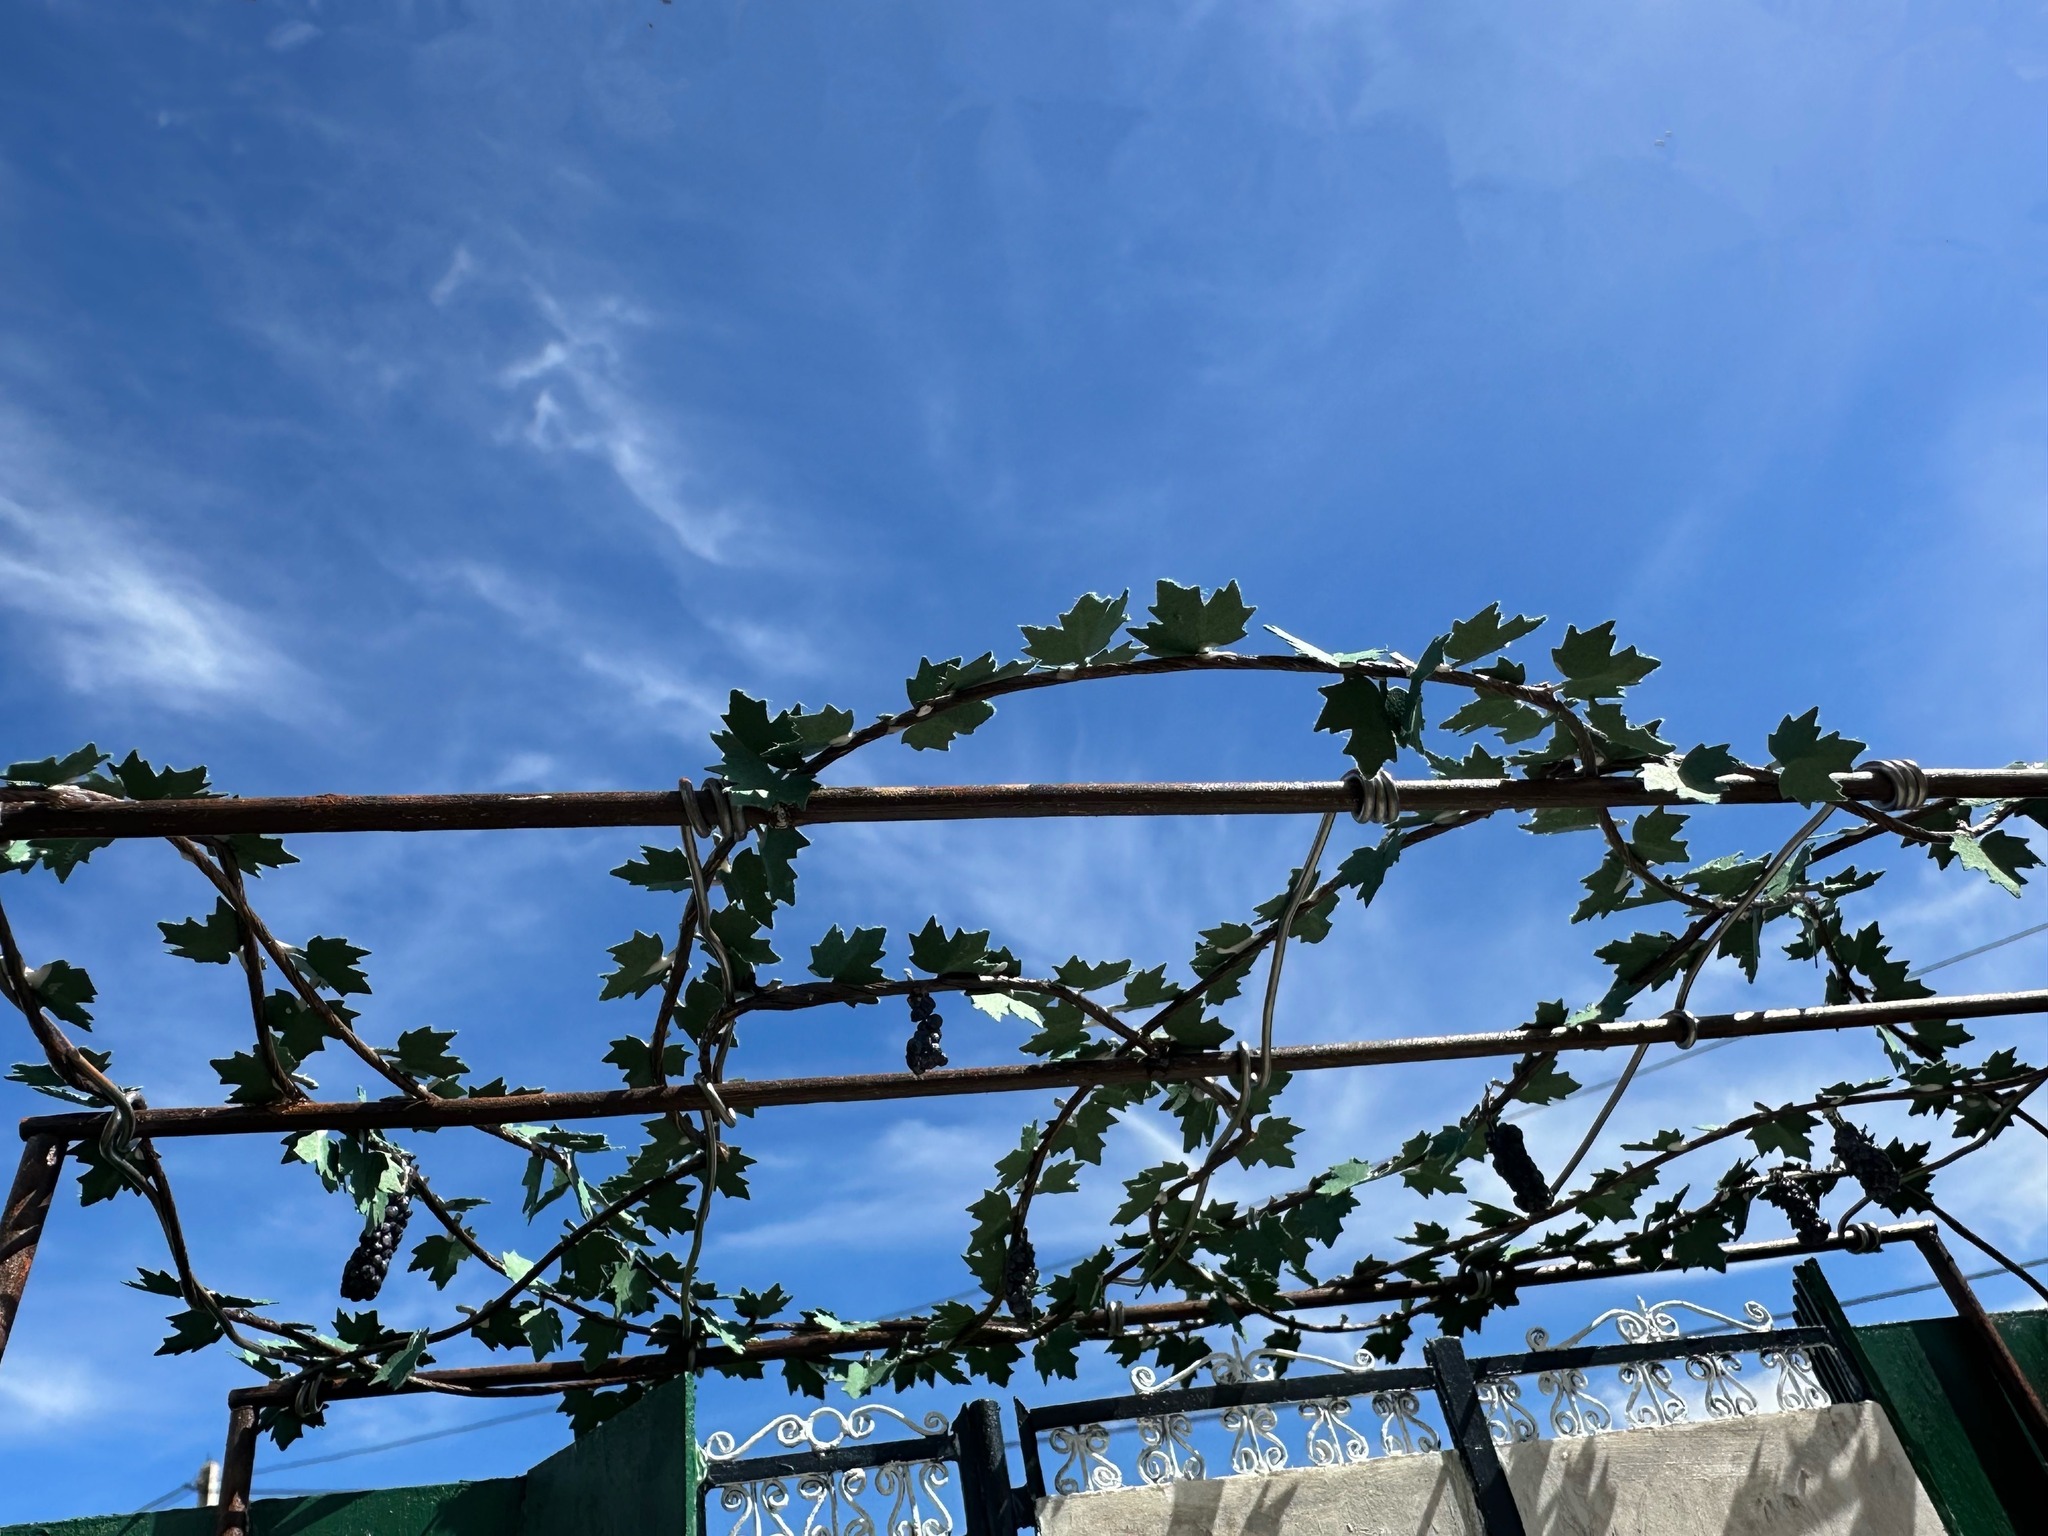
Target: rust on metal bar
x=237, y=1470
x=21, y=1222
x=36, y=813
x=1991, y=1346
x=562, y=1375
x=739, y=1093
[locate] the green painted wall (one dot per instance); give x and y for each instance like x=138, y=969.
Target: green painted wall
x=1972, y=1455
x=449, y=1509
x=633, y=1476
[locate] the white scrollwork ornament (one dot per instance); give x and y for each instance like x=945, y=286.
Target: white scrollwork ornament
x=756, y=1507
x=1724, y=1396
x=1402, y=1430
x=1255, y=1444
x=1168, y=1456
x=1653, y=1402
x=1796, y=1386
x=821, y=1429
x=1087, y=1468
x=1332, y=1440
x=1507, y=1421
x=1574, y=1408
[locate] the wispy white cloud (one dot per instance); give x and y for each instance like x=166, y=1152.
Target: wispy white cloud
x=460, y=268
x=579, y=400
x=44, y=1394
x=116, y=611
x=640, y=680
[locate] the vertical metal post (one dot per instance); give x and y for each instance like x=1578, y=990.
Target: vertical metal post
x=1466, y=1418
x=1842, y=1371
x=237, y=1470
x=1027, y=1447
x=984, y=1469
x=2005, y=1370
x=693, y=1463
x=21, y=1222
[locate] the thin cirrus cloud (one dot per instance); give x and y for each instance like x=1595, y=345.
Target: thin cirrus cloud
x=116, y=613
x=578, y=401
x=637, y=682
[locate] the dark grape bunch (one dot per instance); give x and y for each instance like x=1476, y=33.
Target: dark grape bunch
x=1020, y=1279
x=923, y=1053
x=1788, y=1192
x=362, y=1277
x=1517, y=1169
x=1866, y=1163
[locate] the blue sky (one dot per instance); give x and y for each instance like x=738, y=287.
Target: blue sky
x=432, y=396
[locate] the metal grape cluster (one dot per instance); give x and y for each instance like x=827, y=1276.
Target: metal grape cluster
x=624, y=1269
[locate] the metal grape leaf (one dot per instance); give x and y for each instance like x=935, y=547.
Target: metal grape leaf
x=211, y=940
x=64, y=989
x=825, y=727
x=1788, y=1131
x=424, y=1053
x=1186, y=622
x=938, y=723
x=1148, y=989
x=333, y=962
x=1485, y=633
x=850, y=959
x=1805, y=758
x=643, y=962
x=1082, y=633
x=49, y=771
x=1998, y=856
x=194, y=1328
x=1546, y=1083
x=246, y=1076
x=657, y=869
x=404, y=1360
x=1593, y=669
x=254, y=852
x=1562, y=819
x=1623, y=739
x=1405, y=705
x=1655, y=839
x=438, y=1256
x=1364, y=869
x=1514, y=720
x=961, y=951
x=139, y=781
x=1475, y=764
x=1614, y=1195
x=1696, y=776
x=1083, y=976
x=1357, y=707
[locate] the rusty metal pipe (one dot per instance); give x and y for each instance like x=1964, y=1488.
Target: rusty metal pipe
x=35, y=813
x=739, y=1093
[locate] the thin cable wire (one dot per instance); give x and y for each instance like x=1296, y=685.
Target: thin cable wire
x=1706, y=949
x=1983, y=949
x=1721, y=1045
x=188, y=1486
x=1536, y=1109
x=392, y=1445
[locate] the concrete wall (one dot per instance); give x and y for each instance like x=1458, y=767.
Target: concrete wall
x=1836, y=1471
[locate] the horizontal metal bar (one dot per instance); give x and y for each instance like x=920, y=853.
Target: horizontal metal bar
x=739, y=1093
x=36, y=813
x=561, y=1375
x=1236, y=1394
x=1587, y=1356
x=838, y=1458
